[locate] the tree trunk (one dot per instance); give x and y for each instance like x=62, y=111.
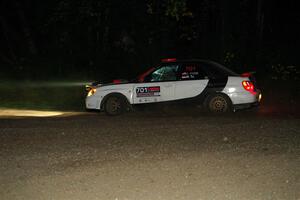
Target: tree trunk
x=260, y=23
x=106, y=30
x=26, y=29
x=12, y=54
x=204, y=21
x=223, y=27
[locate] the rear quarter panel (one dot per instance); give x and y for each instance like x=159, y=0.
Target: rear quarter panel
x=235, y=90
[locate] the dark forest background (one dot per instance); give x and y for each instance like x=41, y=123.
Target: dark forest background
x=96, y=39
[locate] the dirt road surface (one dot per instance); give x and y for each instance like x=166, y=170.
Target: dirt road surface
x=150, y=156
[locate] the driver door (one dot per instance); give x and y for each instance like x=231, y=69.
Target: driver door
x=159, y=86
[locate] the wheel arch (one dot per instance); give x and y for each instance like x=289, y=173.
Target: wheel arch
x=213, y=93
x=113, y=94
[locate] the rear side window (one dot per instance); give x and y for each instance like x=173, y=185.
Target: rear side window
x=216, y=70
x=192, y=71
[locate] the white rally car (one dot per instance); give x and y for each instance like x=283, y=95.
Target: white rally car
x=193, y=81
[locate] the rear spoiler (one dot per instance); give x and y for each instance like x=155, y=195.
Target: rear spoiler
x=247, y=74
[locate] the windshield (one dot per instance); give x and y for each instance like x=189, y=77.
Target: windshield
x=142, y=76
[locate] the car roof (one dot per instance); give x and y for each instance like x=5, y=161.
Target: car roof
x=213, y=63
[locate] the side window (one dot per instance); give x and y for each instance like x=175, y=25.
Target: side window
x=164, y=73
x=192, y=71
x=216, y=70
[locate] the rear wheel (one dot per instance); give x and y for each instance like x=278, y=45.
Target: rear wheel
x=114, y=105
x=218, y=103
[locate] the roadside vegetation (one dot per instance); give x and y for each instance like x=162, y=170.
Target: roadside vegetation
x=51, y=95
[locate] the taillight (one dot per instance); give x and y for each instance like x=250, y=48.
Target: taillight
x=248, y=85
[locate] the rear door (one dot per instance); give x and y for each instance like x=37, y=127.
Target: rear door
x=159, y=86
x=192, y=80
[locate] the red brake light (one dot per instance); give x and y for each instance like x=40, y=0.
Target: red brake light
x=248, y=85
x=168, y=60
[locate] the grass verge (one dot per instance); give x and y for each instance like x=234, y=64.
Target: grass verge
x=50, y=95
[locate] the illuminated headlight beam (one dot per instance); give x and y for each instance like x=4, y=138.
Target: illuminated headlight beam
x=28, y=113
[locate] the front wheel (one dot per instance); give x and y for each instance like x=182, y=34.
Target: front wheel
x=219, y=103
x=114, y=105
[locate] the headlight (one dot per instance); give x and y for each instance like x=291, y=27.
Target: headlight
x=91, y=92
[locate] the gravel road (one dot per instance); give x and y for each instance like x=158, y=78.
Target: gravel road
x=150, y=156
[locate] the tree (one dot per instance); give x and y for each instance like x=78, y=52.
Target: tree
x=25, y=28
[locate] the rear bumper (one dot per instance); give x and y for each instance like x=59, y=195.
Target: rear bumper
x=245, y=106
x=256, y=103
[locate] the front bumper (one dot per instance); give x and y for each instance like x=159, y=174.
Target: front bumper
x=92, y=103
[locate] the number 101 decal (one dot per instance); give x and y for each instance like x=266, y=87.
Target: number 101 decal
x=148, y=91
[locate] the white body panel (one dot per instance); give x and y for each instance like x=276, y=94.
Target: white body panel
x=189, y=88
x=236, y=92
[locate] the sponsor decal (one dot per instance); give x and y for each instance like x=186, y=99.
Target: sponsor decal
x=190, y=68
x=152, y=91
x=189, y=75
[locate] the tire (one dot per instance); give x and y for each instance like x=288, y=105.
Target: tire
x=218, y=103
x=114, y=105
